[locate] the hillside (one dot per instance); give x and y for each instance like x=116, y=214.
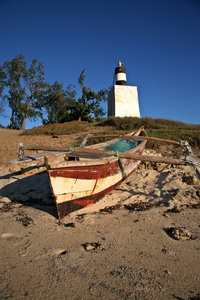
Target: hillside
x=161, y=128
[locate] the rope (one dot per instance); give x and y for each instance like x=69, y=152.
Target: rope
x=86, y=142
x=193, y=161
x=187, y=146
x=71, y=150
x=116, y=154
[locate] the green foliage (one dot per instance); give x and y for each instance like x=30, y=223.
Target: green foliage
x=57, y=103
x=2, y=86
x=11, y=75
x=89, y=103
x=62, y=106
x=29, y=96
x=34, y=90
x=25, y=88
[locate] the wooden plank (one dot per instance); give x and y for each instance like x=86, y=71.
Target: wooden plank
x=137, y=133
x=33, y=158
x=68, y=164
x=86, y=154
x=46, y=148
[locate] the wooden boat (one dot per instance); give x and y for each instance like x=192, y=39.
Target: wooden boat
x=79, y=178
x=76, y=183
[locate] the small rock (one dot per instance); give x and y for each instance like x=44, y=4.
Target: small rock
x=89, y=247
x=92, y=246
x=157, y=192
x=179, y=233
x=166, y=215
x=168, y=251
x=167, y=272
x=15, y=169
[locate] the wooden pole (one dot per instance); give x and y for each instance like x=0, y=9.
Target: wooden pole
x=126, y=155
x=136, y=138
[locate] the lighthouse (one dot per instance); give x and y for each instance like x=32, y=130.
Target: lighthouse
x=122, y=99
x=120, y=74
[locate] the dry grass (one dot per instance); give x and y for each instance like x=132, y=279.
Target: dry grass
x=161, y=128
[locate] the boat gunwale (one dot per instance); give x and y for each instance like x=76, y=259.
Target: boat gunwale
x=95, y=161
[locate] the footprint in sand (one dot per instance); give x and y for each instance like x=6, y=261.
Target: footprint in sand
x=23, y=249
x=22, y=246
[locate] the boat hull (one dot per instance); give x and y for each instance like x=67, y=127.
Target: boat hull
x=68, y=206
x=77, y=186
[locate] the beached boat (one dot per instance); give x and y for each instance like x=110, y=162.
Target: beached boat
x=82, y=177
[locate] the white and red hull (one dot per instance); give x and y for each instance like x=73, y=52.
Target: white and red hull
x=80, y=183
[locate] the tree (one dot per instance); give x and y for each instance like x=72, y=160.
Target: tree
x=12, y=74
x=89, y=103
x=25, y=88
x=2, y=86
x=57, y=103
x=33, y=92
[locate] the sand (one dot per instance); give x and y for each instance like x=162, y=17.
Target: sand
x=122, y=247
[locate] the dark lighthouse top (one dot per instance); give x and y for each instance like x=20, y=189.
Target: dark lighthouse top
x=120, y=74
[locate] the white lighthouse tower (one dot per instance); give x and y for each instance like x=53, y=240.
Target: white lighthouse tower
x=123, y=99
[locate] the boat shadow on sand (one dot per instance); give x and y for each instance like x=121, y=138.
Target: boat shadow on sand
x=33, y=191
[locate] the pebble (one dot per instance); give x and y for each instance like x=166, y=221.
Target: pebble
x=166, y=215
x=157, y=192
x=179, y=233
x=15, y=169
x=167, y=272
x=92, y=246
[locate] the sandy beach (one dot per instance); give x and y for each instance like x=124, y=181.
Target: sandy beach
x=141, y=241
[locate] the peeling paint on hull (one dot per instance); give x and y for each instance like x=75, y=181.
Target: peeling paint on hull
x=67, y=207
x=78, y=186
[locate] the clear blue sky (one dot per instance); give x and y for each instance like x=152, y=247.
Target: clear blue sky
x=157, y=40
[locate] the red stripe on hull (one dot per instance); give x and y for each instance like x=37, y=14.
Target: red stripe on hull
x=90, y=172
